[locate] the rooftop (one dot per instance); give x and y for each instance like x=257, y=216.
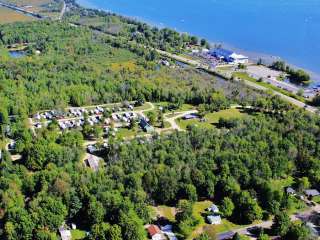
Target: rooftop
x=153, y=230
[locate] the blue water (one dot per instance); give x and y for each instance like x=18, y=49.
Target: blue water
x=17, y=54
x=289, y=29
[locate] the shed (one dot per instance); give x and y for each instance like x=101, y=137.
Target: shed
x=311, y=193
x=213, y=208
x=93, y=162
x=65, y=234
x=155, y=233
x=290, y=191
x=214, y=219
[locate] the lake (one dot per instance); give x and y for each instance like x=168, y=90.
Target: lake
x=268, y=28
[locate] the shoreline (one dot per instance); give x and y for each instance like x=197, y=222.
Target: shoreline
x=254, y=56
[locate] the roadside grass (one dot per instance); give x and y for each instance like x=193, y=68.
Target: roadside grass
x=144, y=107
x=10, y=16
x=246, y=77
x=212, y=118
x=316, y=199
x=78, y=234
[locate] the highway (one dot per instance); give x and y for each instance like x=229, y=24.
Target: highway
x=21, y=10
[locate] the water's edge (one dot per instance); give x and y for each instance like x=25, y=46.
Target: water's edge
x=253, y=55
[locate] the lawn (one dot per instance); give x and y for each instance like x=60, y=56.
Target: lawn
x=183, y=107
x=198, y=209
x=165, y=211
x=9, y=16
x=212, y=118
x=47, y=7
x=128, y=133
x=78, y=234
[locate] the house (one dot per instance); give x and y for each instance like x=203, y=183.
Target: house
x=91, y=148
x=146, y=126
x=93, y=162
x=290, y=191
x=310, y=193
x=214, y=219
x=167, y=230
x=190, y=116
x=65, y=234
x=213, y=208
x=155, y=233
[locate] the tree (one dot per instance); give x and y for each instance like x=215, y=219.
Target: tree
x=131, y=226
x=227, y=207
x=263, y=236
x=203, y=236
x=190, y=192
x=45, y=235
x=19, y=223
x=95, y=212
x=303, y=183
x=250, y=210
x=236, y=236
x=105, y=231
x=281, y=224
x=194, y=40
x=297, y=232
x=48, y=212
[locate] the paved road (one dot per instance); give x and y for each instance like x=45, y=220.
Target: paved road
x=63, y=10
x=21, y=10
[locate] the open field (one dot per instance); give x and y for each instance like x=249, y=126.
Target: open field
x=199, y=209
x=212, y=118
x=9, y=16
x=246, y=77
x=46, y=7
x=78, y=234
x=166, y=212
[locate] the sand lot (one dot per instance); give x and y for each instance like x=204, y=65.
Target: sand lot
x=263, y=72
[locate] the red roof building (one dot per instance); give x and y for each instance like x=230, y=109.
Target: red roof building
x=153, y=230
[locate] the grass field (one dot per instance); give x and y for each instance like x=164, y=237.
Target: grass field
x=198, y=209
x=9, y=16
x=212, y=118
x=78, y=234
x=165, y=211
x=246, y=77
x=46, y=7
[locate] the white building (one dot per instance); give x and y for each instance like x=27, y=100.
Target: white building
x=214, y=220
x=238, y=58
x=213, y=208
x=65, y=234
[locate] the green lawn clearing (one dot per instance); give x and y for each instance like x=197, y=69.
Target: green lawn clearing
x=245, y=76
x=212, y=118
x=164, y=211
x=78, y=234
